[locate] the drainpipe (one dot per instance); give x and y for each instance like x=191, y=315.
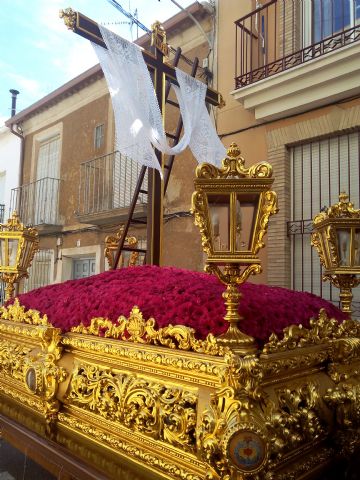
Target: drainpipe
x=18, y=132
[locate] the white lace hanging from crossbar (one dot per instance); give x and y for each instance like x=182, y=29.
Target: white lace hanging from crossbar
x=138, y=119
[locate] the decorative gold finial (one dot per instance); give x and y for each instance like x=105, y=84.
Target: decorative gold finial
x=69, y=15
x=233, y=151
x=158, y=38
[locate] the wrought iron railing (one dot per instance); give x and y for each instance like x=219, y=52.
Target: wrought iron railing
x=107, y=183
x=37, y=203
x=285, y=33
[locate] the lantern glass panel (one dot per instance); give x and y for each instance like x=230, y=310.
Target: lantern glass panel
x=356, y=260
x=245, y=219
x=344, y=243
x=2, y=252
x=13, y=250
x=219, y=211
x=25, y=254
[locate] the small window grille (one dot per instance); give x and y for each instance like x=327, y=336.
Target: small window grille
x=40, y=270
x=99, y=136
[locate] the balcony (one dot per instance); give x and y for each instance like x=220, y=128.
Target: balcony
x=106, y=188
x=305, y=49
x=38, y=203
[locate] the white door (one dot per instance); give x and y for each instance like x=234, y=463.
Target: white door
x=83, y=267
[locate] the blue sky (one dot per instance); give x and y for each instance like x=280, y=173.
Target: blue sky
x=39, y=54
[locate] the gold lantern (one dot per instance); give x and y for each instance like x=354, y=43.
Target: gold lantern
x=336, y=237
x=232, y=205
x=18, y=245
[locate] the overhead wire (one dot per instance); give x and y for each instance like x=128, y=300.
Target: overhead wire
x=133, y=19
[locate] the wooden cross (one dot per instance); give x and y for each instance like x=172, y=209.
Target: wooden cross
x=161, y=73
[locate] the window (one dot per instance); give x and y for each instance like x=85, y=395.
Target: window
x=40, y=270
x=334, y=16
x=99, y=136
x=320, y=170
x=46, y=189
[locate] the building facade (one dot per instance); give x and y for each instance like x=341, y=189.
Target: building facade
x=294, y=102
x=76, y=189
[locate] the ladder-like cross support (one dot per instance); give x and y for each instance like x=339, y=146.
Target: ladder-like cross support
x=161, y=72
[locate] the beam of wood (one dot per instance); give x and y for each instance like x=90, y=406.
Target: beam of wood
x=89, y=29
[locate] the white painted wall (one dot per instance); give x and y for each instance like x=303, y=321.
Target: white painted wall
x=10, y=146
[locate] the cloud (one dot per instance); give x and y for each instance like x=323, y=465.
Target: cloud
x=30, y=86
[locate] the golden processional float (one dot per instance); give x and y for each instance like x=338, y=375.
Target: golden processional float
x=127, y=399
x=143, y=395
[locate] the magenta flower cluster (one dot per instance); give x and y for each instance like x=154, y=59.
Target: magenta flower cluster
x=175, y=296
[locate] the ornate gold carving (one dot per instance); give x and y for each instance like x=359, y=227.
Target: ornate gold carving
x=267, y=207
x=108, y=464
x=232, y=276
x=18, y=313
x=234, y=166
x=136, y=329
x=183, y=366
x=166, y=413
x=316, y=243
x=283, y=366
x=11, y=409
x=340, y=210
x=345, y=400
x=158, y=38
x=345, y=283
x=12, y=357
x=322, y=330
x=295, y=420
x=319, y=456
x=112, y=242
x=235, y=409
x=135, y=452
x=198, y=208
x=69, y=15
x=35, y=369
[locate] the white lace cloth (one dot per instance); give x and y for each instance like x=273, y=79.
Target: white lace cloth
x=138, y=118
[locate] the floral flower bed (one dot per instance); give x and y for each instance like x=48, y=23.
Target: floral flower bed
x=175, y=296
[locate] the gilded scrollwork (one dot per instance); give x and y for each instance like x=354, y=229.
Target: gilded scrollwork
x=111, y=245
x=322, y=330
x=137, y=329
x=342, y=209
x=344, y=400
x=268, y=207
x=12, y=358
x=166, y=413
x=34, y=366
x=295, y=420
x=316, y=243
x=233, y=165
x=319, y=456
x=19, y=314
x=134, y=451
x=69, y=15
x=198, y=209
x=234, y=421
